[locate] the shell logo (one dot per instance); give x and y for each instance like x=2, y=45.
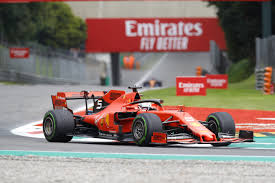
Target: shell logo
x=195, y=124
x=101, y=122
x=107, y=120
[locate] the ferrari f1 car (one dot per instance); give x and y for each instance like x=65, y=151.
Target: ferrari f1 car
x=125, y=117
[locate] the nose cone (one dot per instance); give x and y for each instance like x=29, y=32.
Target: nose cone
x=209, y=137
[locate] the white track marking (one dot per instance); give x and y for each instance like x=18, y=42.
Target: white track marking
x=31, y=130
x=31, y=127
x=256, y=126
x=266, y=119
x=146, y=76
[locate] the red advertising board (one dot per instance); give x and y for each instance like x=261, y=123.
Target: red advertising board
x=153, y=34
x=191, y=85
x=19, y=52
x=218, y=81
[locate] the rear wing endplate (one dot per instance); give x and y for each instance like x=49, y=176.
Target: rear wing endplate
x=59, y=101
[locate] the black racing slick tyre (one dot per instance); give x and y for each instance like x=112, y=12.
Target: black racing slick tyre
x=158, y=84
x=143, y=127
x=146, y=84
x=221, y=122
x=58, y=126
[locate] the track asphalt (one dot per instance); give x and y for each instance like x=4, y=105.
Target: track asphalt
x=22, y=104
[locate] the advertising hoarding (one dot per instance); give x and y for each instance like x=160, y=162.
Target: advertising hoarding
x=217, y=81
x=190, y=85
x=153, y=34
x=19, y=52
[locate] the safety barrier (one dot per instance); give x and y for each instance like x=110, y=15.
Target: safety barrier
x=42, y=67
x=220, y=62
x=259, y=75
x=265, y=61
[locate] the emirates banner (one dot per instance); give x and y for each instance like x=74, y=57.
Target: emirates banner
x=217, y=81
x=189, y=86
x=19, y=52
x=153, y=34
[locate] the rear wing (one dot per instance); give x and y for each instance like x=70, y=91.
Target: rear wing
x=59, y=101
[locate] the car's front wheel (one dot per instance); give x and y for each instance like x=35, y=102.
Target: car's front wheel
x=143, y=127
x=221, y=122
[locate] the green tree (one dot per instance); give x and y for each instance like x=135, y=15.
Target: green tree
x=15, y=23
x=52, y=24
x=60, y=28
x=241, y=22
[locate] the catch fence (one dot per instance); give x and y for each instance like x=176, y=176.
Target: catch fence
x=44, y=65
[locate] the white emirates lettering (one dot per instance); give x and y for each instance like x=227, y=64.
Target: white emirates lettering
x=216, y=82
x=163, y=36
x=191, y=87
x=135, y=29
x=19, y=53
x=61, y=98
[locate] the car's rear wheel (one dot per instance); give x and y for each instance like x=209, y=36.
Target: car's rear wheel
x=143, y=127
x=58, y=126
x=221, y=122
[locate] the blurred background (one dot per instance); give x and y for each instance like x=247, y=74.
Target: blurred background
x=122, y=43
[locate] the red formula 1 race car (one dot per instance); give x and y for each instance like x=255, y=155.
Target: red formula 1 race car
x=126, y=117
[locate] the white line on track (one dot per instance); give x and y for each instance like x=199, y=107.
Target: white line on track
x=254, y=124
x=31, y=127
x=33, y=130
x=266, y=118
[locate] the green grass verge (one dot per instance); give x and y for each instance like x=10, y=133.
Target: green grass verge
x=240, y=71
x=10, y=83
x=238, y=96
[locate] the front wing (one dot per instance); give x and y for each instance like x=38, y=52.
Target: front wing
x=162, y=138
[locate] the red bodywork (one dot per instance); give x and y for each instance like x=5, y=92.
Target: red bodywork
x=116, y=102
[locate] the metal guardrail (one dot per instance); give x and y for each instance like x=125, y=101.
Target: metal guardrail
x=43, y=66
x=220, y=63
x=259, y=75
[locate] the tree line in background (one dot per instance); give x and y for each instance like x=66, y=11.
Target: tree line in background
x=242, y=23
x=51, y=24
